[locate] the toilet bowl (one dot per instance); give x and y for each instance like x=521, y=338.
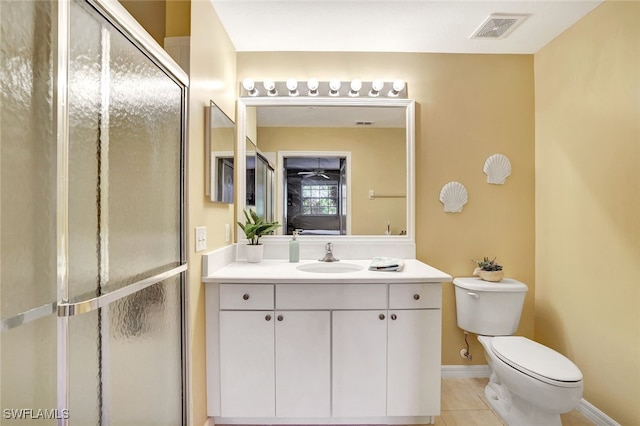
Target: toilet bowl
x=530, y=384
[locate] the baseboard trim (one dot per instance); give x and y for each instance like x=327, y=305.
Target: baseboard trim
x=595, y=415
x=465, y=371
x=472, y=371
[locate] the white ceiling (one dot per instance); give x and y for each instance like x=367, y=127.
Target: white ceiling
x=392, y=25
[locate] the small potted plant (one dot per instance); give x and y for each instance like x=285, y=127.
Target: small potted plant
x=488, y=270
x=254, y=228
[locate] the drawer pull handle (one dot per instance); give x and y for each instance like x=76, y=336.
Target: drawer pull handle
x=416, y=297
x=394, y=317
x=381, y=316
x=268, y=317
x=245, y=296
x=280, y=317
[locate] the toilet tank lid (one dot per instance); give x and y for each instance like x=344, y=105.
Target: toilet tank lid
x=476, y=284
x=536, y=359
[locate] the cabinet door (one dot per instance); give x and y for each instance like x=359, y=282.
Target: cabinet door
x=359, y=363
x=303, y=363
x=247, y=377
x=414, y=363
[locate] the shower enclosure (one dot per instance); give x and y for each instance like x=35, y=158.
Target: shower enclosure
x=92, y=235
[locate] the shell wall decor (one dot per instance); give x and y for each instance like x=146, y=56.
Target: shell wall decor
x=453, y=195
x=497, y=168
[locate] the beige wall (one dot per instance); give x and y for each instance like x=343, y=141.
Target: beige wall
x=212, y=77
x=151, y=14
x=468, y=107
x=178, y=17
x=588, y=203
x=378, y=162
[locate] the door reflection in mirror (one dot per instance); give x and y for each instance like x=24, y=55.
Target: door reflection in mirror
x=260, y=183
x=316, y=198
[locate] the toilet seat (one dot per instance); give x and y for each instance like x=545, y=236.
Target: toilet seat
x=536, y=360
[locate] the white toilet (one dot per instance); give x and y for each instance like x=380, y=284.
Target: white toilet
x=530, y=384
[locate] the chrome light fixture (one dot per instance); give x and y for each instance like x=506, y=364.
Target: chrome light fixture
x=356, y=85
x=250, y=86
x=270, y=87
x=354, y=88
x=376, y=87
x=398, y=86
x=312, y=85
x=292, y=86
x=334, y=87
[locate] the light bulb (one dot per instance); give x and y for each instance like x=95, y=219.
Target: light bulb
x=292, y=86
x=356, y=85
x=250, y=86
x=270, y=87
x=376, y=87
x=398, y=86
x=334, y=87
x=312, y=85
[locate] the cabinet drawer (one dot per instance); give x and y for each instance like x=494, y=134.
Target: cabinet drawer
x=331, y=296
x=246, y=296
x=407, y=296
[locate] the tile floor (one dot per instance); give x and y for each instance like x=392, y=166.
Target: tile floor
x=463, y=404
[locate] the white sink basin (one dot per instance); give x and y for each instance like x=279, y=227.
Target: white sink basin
x=329, y=267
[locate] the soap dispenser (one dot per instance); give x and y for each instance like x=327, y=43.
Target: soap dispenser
x=294, y=248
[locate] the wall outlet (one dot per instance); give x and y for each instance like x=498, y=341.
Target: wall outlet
x=227, y=233
x=201, y=238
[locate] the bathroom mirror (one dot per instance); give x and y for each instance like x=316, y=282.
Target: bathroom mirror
x=348, y=158
x=220, y=144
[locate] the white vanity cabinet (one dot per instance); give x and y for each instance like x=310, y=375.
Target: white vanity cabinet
x=414, y=349
x=387, y=362
x=324, y=353
x=247, y=350
x=359, y=363
x=247, y=353
x=268, y=353
x=303, y=363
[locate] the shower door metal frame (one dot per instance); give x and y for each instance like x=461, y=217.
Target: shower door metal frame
x=113, y=12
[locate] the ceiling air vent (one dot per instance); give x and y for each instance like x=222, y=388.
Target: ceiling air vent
x=498, y=26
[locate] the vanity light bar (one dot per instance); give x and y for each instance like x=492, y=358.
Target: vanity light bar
x=332, y=88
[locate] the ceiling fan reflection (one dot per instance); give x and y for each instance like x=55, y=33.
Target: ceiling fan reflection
x=319, y=173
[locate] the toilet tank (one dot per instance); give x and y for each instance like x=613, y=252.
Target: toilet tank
x=487, y=308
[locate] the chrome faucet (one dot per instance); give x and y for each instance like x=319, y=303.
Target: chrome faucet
x=328, y=254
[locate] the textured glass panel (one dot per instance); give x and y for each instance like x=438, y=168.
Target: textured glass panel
x=145, y=357
x=85, y=73
x=144, y=165
x=28, y=376
x=27, y=158
x=85, y=383
x=124, y=160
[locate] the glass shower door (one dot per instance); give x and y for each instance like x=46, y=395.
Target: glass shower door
x=27, y=211
x=92, y=210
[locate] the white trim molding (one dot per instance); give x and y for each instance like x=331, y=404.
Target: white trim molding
x=465, y=371
x=594, y=414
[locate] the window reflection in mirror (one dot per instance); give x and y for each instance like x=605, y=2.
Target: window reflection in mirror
x=315, y=190
x=377, y=134
x=221, y=144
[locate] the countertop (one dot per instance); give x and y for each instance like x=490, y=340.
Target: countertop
x=283, y=271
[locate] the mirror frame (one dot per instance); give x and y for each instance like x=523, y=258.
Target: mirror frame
x=241, y=122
